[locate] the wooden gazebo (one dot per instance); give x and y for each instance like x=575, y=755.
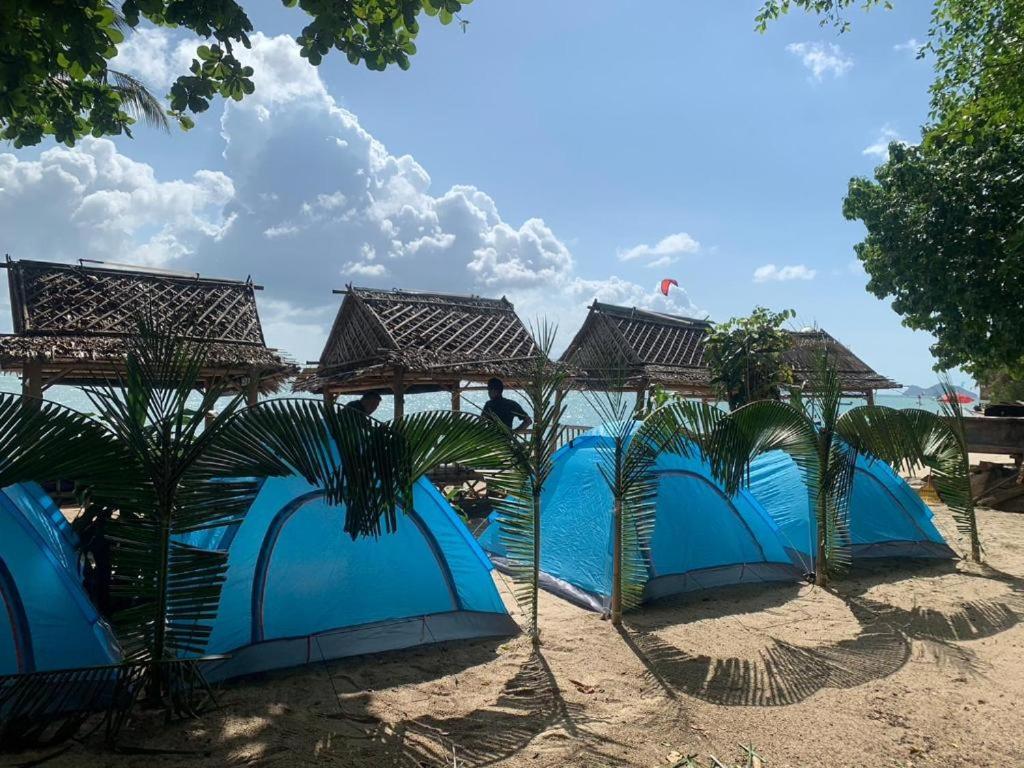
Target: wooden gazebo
x=407, y=342
x=649, y=348
x=71, y=322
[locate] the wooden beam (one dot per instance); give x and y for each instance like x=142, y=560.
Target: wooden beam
x=329, y=398
x=456, y=398
x=398, y=388
x=870, y=396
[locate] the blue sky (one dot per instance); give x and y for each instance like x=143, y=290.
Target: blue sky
x=534, y=155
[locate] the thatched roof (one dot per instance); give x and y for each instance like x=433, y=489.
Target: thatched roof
x=668, y=350
x=73, y=320
x=433, y=340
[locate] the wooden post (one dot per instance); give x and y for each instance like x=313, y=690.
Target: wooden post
x=457, y=398
x=870, y=396
x=329, y=398
x=209, y=416
x=252, y=389
x=641, y=393
x=398, y=388
x=32, y=379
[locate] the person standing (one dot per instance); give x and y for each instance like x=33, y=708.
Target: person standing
x=502, y=409
x=366, y=404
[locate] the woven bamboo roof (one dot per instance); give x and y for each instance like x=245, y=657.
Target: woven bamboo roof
x=432, y=340
x=645, y=347
x=74, y=319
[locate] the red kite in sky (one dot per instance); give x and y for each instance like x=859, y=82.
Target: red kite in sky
x=668, y=281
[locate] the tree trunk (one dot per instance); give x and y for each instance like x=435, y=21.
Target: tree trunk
x=535, y=586
x=975, y=543
x=617, y=566
x=156, y=682
x=821, y=561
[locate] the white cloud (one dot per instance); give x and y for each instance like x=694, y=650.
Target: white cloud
x=770, y=272
x=356, y=212
x=880, y=147
x=154, y=56
x=911, y=46
x=666, y=251
x=821, y=59
x=94, y=202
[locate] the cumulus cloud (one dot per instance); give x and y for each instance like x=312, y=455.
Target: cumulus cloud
x=821, y=59
x=154, y=56
x=92, y=201
x=880, y=148
x=664, y=252
x=770, y=272
x=305, y=200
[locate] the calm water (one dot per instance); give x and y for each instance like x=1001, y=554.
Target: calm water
x=579, y=408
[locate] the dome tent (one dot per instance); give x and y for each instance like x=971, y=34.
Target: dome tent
x=47, y=622
x=701, y=537
x=299, y=589
x=886, y=517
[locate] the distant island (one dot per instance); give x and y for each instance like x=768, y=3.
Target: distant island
x=934, y=391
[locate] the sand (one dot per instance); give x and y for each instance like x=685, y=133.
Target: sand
x=900, y=665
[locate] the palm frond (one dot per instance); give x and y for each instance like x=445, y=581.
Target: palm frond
x=433, y=438
x=355, y=460
x=758, y=428
x=41, y=441
x=137, y=99
x=833, y=511
x=882, y=433
x=943, y=450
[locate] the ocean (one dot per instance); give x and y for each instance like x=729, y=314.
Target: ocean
x=579, y=406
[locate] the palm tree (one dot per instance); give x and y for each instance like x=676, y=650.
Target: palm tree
x=825, y=445
x=520, y=511
x=626, y=464
x=157, y=469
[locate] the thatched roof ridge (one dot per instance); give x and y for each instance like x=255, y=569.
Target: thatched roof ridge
x=433, y=339
x=74, y=320
x=853, y=372
x=644, y=347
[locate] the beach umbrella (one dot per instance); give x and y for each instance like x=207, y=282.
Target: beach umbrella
x=666, y=284
x=960, y=398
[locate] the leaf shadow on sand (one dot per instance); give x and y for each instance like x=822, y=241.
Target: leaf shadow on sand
x=530, y=704
x=783, y=673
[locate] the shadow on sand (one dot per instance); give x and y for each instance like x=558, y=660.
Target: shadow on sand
x=784, y=673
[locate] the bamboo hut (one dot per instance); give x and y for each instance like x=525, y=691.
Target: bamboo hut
x=654, y=349
x=71, y=322
x=406, y=342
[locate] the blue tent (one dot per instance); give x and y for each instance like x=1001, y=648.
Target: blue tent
x=702, y=537
x=887, y=519
x=46, y=621
x=300, y=590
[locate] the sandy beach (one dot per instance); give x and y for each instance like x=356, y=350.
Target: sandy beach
x=902, y=665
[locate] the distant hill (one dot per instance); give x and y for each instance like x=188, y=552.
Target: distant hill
x=934, y=391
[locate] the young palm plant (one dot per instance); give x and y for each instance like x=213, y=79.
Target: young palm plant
x=157, y=470
x=523, y=484
x=825, y=445
x=626, y=463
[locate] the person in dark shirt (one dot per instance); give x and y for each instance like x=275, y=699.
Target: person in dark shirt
x=366, y=404
x=503, y=409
